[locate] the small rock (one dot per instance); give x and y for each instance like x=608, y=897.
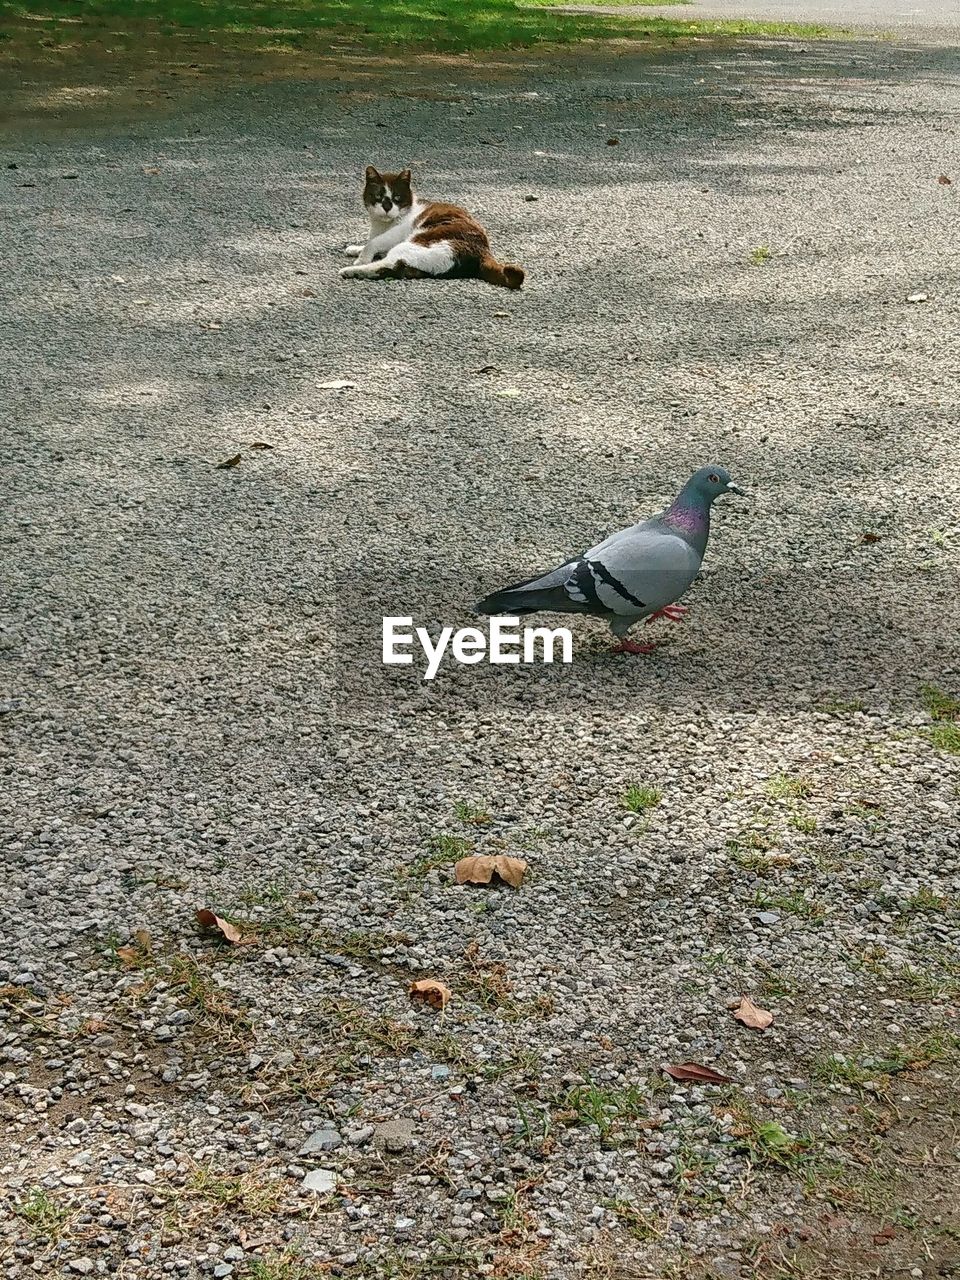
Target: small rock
x=768, y=917
x=321, y=1140
x=83, y=1265
x=322, y=1181
x=395, y=1135
x=357, y=1137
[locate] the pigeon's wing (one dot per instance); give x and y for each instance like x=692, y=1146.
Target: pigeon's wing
x=636, y=571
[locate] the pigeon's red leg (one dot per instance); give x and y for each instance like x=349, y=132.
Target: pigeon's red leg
x=673, y=612
x=631, y=646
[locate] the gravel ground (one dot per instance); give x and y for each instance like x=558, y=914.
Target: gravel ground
x=196, y=716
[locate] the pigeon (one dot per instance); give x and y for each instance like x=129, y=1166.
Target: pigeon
x=636, y=573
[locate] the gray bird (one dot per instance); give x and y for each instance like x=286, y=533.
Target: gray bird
x=636, y=573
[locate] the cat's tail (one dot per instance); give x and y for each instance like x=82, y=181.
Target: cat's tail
x=502, y=273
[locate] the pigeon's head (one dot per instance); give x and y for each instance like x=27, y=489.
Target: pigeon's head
x=710, y=482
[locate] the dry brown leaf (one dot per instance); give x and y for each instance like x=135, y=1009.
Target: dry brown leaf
x=230, y=462
x=143, y=940
x=694, y=1071
x=487, y=368
x=885, y=1236
x=307, y=293
x=869, y=537
x=431, y=992
x=261, y=444
x=152, y=172
x=128, y=955
x=613, y=142
x=945, y=181
x=208, y=920
x=751, y=1015
x=481, y=869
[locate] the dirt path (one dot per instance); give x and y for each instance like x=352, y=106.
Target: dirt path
x=721, y=245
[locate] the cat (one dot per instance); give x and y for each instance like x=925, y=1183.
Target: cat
x=413, y=239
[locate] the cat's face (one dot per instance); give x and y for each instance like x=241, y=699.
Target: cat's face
x=387, y=196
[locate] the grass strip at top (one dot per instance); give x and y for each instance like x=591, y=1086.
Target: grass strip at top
x=442, y=25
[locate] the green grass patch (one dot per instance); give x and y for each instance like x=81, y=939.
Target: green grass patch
x=872, y=1071
x=610, y=1110
x=766, y=1143
x=789, y=786
x=940, y=705
x=442, y=851
x=945, y=736
x=45, y=1217
x=638, y=797
x=443, y=25
x=793, y=904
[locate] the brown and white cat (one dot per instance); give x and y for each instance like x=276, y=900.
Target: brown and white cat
x=410, y=238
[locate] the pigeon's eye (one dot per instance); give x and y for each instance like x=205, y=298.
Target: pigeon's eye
x=714, y=479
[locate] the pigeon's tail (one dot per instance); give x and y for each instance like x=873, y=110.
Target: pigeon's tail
x=502, y=273
x=546, y=593
x=513, y=602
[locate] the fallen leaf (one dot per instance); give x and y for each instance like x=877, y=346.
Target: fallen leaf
x=430, y=992
x=512, y=392
x=151, y=172
x=208, y=920
x=945, y=181
x=870, y=537
x=751, y=1015
x=481, y=869
x=260, y=444
x=487, y=368
x=337, y=384
x=917, y=297
x=127, y=955
x=530, y=199
x=501, y=315
x=885, y=1236
x=307, y=293
x=613, y=142
x=230, y=462
x=694, y=1071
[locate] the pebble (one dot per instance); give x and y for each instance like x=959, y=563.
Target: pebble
x=321, y=1181
x=321, y=1140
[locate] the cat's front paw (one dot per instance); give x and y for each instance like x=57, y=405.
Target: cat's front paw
x=353, y=250
x=349, y=273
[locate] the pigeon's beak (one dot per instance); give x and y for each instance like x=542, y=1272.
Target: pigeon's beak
x=735, y=488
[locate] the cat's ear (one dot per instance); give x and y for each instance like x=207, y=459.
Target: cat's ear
x=404, y=176
x=372, y=175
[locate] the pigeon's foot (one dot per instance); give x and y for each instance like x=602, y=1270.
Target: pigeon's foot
x=672, y=612
x=631, y=646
